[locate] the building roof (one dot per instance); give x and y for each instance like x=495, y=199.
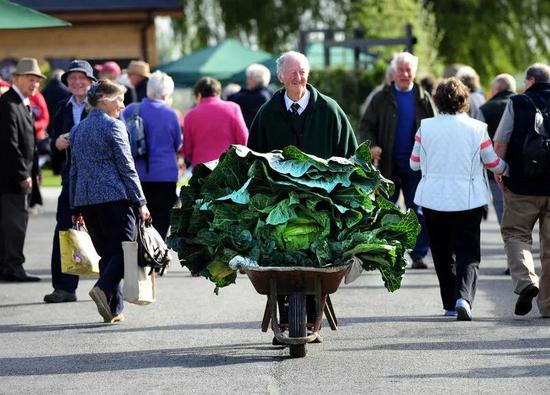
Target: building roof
x=100, y=5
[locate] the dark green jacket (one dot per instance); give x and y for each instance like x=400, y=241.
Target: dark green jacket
x=380, y=120
x=327, y=131
x=493, y=109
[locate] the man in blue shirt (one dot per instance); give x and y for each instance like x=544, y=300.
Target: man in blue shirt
x=390, y=123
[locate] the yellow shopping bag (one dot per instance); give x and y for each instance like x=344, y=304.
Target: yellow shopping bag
x=78, y=255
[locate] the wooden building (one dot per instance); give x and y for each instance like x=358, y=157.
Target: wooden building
x=119, y=30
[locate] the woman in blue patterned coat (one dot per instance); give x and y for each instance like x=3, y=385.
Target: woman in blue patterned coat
x=105, y=189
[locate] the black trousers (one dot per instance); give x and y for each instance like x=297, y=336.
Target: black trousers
x=109, y=224
x=62, y=281
x=161, y=197
x=455, y=242
x=13, y=224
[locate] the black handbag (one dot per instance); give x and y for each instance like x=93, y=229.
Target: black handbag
x=152, y=250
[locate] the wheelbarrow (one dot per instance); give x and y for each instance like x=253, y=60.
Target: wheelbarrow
x=296, y=283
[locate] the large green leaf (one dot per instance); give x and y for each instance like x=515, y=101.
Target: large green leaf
x=290, y=209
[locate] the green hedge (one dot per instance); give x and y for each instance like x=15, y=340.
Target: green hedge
x=348, y=87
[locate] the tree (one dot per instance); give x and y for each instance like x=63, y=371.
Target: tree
x=388, y=18
x=271, y=25
x=493, y=36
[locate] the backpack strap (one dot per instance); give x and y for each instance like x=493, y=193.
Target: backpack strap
x=538, y=112
x=136, y=113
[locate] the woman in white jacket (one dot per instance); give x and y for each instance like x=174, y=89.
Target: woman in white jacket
x=452, y=149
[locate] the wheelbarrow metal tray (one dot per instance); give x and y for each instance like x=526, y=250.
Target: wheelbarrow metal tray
x=296, y=278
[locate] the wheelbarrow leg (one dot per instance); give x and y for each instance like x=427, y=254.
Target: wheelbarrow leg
x=329, y=313
x=267, y=316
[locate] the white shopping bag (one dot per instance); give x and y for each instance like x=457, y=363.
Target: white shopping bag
x=139, y=286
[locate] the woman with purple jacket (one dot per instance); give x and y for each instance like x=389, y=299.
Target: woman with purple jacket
x=159, y=172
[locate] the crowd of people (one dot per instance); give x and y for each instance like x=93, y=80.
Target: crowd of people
x=433, y=139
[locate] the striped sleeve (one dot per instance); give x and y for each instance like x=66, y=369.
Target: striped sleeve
x=414, y=160
x=489, y=157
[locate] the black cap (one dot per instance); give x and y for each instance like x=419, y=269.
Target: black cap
x=81, y=66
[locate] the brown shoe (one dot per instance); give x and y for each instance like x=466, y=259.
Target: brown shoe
x=100, y=299
x=116, y=318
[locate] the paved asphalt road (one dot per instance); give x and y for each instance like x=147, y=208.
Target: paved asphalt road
x=192, y=341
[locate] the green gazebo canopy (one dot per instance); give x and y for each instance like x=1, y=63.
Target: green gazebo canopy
x=223, y=61
x=15, y=16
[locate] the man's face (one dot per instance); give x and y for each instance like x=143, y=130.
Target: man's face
x=135, y=79
x=78, y=84
x=404, y=75
x=27, y=84
x=294, y=77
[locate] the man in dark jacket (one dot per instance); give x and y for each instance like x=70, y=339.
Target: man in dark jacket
x=300, y=115
x=138, y=74
x=256, y=93
x=79, y=78
x=390, y=123
x=17, y=150
x=527, y=198
x=502, y=88
x=55, y=93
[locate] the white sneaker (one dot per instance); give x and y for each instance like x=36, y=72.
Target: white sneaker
x=463, y=310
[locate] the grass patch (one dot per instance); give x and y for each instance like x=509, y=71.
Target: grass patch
x=49, y=179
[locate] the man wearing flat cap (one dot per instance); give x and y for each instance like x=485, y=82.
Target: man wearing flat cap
x=17, y=150
x=79, y=77
x=138, y=74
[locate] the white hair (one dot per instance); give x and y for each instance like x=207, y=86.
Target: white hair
x=281, y=61
x=160, y=86
x=230, y=89
x=404, y=57
x=506, y=82
x=469, y=77
x=389, y=74
x=259, y=74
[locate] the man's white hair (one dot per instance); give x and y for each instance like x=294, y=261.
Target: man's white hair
x=469, y=77
x=160, y=86
x=259, y=74
x=281, y=60
x=404, y=57
x=506, y=82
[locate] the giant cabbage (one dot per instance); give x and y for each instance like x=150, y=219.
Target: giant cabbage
x=288, y=208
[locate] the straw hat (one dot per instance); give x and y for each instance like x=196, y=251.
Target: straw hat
x=139, y=67
x=28, y=66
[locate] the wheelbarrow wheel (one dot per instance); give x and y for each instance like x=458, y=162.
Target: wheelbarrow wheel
x=297, y=322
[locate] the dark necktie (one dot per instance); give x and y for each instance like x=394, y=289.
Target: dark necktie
x=294, y=108
x=29, y=110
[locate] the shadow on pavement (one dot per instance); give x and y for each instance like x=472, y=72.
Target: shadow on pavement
x=191, y=357
x=481, y=345
x=121, y=327
x=488, y=373
x=35, y=304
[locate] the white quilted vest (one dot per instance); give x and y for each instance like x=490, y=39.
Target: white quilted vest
x=453, y=178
